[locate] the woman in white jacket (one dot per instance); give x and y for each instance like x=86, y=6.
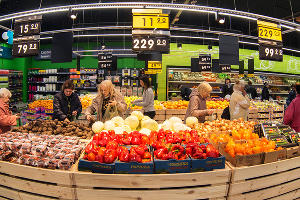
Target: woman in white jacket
x=148, y=98
x=239, y=102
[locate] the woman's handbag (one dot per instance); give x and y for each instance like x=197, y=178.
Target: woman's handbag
x=110, y=113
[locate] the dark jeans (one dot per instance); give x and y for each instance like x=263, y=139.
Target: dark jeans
x=150, y=114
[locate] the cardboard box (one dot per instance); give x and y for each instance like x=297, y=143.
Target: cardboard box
x=172, y=166
x=208, y=164
x=134, y=168
x=275, y=156
x=96, y=167
x=292, y=152
x=245, y=160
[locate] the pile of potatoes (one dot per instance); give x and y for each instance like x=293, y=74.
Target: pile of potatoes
x=55, y=127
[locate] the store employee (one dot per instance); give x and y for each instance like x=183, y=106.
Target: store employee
x=66, y=104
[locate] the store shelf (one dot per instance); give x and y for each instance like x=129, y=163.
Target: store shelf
x=51, y=74
x=193, y=82
x=3, y=81
x=174, y=91
x=279, y=85
x=86, y=88
x=216, y=92
x=279, y=93
x=42, y=92
x=57, y=82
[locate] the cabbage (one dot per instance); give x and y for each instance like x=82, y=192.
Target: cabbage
x=97, y=127
x=174, y=120
x=145, y=118
x=191, y=121
x=109, y=125
x=119, y=130
x=150, y=124
x=138, y=114
x=166, y=125
x=126, y=128
x=132, y=122
x=179, y=127
x=145, y=131
x=119, y=121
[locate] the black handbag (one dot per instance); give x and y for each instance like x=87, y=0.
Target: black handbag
x=226, y=113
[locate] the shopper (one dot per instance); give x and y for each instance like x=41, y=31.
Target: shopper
x=6, y=118
x=148, y=98
x=292, y=113
x=292, y=95
x=197, y=103
x=107, y=97
x=227, y=89
x=239, y=101
x=265, y=94
x=185, y=92
x=251, y=91
x=66, y=104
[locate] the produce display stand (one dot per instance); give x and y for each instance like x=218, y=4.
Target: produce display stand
x=277, y=180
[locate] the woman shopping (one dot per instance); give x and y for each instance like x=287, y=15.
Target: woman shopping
x=148, y=98
x=6, y=118
x=197, y=103
x=108, y=98
x=66, y=104
x=239, y=101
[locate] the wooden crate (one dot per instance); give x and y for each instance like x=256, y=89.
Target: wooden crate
x=277, y=180
x=159, y=117
x=160, y=112
x=38, y=181
x=199, y=185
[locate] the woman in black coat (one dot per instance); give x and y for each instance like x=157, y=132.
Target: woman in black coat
x=66, y=104
x=227, y=89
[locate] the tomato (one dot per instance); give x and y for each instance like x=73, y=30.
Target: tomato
x=112, y=145
x=120, y=149
x=140, y=150
x=124, y=156
x=136, y=140
x=145, y=139
x=91, y=157
x=88, y=148
x=147, y=155
x=135, y=158
x=110, y=156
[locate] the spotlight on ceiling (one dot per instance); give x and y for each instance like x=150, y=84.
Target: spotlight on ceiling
x=220, y=19
x=72, y=14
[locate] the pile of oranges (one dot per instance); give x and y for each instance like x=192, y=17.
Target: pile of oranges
x=48, y=104
x=175, y=104
x=86, y=100
x=250, y=147
x=217, y=104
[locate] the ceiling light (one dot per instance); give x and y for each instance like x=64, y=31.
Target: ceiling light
x=72, y=14
x=220, y=19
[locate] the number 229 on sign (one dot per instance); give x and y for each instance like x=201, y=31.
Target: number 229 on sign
x=269, y=33
x=144, y=21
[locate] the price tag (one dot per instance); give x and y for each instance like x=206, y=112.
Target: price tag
x=225, y=68
x=203, y=58
x=268, y=52
x=105, y=61
x=153, y=71
x=159, y=21
x=241, y=75
x=27, y=28
x=26, y=48
x=146, y=43
x=250, y=75
x=154, y=65
x=270, y=31
x=205, y=67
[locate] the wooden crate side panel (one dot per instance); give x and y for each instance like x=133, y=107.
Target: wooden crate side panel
x=37, y=188
x=268, y=193
x=174, y=194
x=288, y=196
x=85, y=179
x=242, y=173
x=7, y=193
x=34, y=173
x=255, y=184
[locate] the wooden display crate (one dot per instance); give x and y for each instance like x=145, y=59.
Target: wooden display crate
x=277, y=180
x=175, y=111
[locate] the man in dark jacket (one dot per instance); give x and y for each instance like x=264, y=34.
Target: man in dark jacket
x=251, y=91
x=227, y=89
x=292, y=95
x=265, y=94
x=66, y=104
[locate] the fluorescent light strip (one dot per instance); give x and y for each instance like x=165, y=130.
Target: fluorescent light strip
x=185, y=9
x=255, y=44
x=192, y=37
x=293, y=50
x=239, y=16
x=285, y=26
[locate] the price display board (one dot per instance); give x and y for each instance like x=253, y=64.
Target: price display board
x=105, y=61
x=269, y=52
x=146, y=43
x=225, y=67
x=150, y=21
x=26, y=48
x=27, y=28
x=269, y=31
x=205, y=62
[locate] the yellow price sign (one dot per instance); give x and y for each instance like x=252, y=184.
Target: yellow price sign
x=153, y=71
x=250, y=75
x=160, y=21
x=241, y=75
x=267, y=30
x=154, y=65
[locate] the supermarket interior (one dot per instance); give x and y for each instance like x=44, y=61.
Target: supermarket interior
x=170, y=99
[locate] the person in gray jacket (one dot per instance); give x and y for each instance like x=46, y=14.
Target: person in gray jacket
x=148, y=98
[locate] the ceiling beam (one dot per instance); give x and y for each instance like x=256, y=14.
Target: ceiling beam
x=176, y=18
x=168, y=6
